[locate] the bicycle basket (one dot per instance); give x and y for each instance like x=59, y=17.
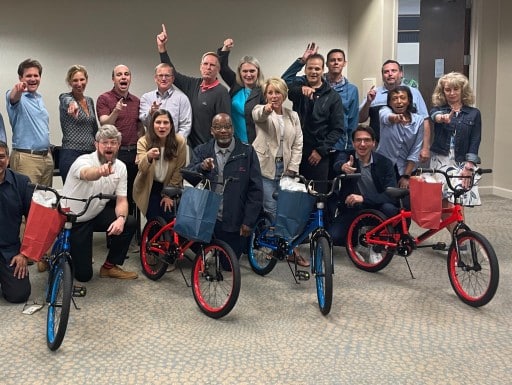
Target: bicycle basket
x=197, y=213
x=293, y=211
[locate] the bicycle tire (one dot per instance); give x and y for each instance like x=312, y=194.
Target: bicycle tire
x=323, y=270
x=61, y=291
x=260, y=258
x=365, y=257
x=474, y=274
x=216, y=279
x=154, y=264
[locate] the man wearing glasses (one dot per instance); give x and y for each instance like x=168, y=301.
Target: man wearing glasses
x=367, y=192
x=168, y=97
x=91, y=174
x=234, y=170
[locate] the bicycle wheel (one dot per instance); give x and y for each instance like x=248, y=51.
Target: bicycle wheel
x=367, y=257
x=261, y=258
x=322, y=260
x=153, y=251
x=61, y=290
x=474, y=273
x=216, y=279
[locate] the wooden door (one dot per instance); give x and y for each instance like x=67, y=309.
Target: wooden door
x=444, y=41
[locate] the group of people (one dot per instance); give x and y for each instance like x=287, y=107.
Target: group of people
x=245, y=134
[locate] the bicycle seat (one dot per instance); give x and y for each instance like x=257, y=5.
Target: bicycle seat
x=172, y=192
x=397, y=192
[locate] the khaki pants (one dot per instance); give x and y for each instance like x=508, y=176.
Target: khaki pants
x=38, y=168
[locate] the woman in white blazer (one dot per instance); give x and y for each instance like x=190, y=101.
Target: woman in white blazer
x=278, y=143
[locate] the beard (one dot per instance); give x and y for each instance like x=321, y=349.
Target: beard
x=103, y=159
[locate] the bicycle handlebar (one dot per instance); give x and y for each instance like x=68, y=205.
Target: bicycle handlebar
x=59, y=197
x=309, y=184
x=201, y=178
x=448, y=177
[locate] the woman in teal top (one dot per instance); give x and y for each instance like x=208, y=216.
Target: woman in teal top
x=245, y=91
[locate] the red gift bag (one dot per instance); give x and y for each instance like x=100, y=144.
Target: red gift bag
x=43, y=226
x=426, y=203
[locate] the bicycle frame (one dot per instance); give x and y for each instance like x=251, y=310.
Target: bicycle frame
x=456, y=216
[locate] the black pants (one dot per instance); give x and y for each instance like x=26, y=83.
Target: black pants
x=318, y=172
x=13, y=289
x=81, y=242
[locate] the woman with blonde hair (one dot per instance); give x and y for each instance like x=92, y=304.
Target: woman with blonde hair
x=457, y=134
x=278, y=144
x=244, y=88
x=77, y=119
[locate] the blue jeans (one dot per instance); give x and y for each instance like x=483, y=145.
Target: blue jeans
x=269, y=186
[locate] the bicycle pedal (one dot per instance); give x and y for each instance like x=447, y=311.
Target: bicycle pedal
x=439, y=246
x=302, y=275
x=79, y=291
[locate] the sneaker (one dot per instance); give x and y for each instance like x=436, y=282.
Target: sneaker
x=374, y=257
x=117, y=272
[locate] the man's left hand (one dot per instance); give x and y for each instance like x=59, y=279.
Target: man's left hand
x=116, y=227
x=21, y=266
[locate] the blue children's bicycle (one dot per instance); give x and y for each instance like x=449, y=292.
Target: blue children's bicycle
x=266, y=247
x=60, y=289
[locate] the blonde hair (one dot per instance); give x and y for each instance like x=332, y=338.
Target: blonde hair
x=278, y=84
x=456, y=80
x=73, y=70
x=249, y=60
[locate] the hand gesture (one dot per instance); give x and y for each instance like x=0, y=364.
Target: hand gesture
x=208, y=164
x=73, y=109
x=447, y=118
x=16, y=91
x=370, y=96
x=120, y=105
x=228, y=44
x=308, y=92
x=311, y=49
x=348, y=168
x=105, y=169
x=154, y=107
x=154, y=153
x=161, y=38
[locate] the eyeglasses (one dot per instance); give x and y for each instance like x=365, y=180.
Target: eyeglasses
x=226, y=127
x=363, y=140
x=164, y=76
x=107, y=143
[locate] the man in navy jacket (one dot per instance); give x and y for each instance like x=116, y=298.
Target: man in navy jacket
x=377, y=173
x=234, y=171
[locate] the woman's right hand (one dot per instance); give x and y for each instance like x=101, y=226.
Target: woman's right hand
x=154, y=153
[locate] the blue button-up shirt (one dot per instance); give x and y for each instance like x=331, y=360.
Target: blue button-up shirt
x=30, y=122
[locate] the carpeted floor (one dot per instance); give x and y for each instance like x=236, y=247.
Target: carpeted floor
x=384, y=328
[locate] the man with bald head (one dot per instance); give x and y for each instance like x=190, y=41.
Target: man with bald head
x=223, y=158
x=120, y=108
x=207, y=96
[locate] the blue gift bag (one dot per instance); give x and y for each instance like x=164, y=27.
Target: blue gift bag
x=197, y=213
x=293, y=211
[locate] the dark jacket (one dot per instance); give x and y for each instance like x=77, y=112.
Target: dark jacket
x=383, y=176
x=254, y=98
x=243, y=197
x=321, y=117
x=467, y=128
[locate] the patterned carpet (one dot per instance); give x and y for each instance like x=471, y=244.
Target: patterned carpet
x=384, y=328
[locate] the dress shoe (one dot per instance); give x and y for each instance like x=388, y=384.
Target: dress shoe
x=117, y=272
